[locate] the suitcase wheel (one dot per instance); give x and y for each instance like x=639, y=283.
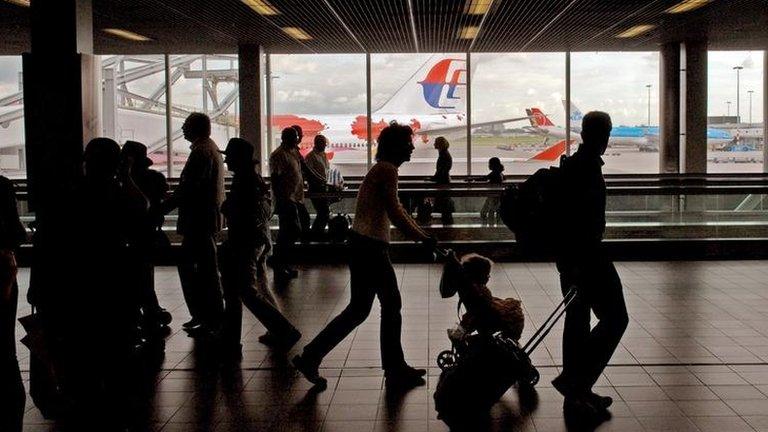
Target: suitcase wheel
x=446, y=360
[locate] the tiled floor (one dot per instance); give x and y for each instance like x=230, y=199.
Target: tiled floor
x=695, y=357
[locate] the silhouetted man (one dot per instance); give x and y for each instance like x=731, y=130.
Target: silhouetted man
x=317, y=162
x=582, y=263
x=146, y=233
x=199, y=196
x=247, y=210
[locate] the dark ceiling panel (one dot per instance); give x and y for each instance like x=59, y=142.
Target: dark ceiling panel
x=335, y=26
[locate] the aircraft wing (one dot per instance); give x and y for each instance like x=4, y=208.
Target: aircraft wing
x=448, y=129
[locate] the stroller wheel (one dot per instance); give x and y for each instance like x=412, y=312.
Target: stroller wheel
x=531, y=378
x=446, y=360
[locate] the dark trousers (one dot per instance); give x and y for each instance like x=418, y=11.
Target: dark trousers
x=587, y=351
x=12, y=395
x=199, y=275
x=242, y=272
x=371, y=275
x=293, y=221
x=322, y=215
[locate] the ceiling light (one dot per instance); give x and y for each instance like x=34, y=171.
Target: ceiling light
x=128, y=35
x=469, y=32
x=22, y=3
x=636, y=31
x=297, y=33
x=687, y=5
x=262, y=7
x=477, y=7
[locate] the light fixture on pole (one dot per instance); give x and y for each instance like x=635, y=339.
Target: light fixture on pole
x=750, y=105
x=648, y=86
x=738, y=112
x=729, y=107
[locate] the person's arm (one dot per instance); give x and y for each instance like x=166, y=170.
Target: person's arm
x=310, y=175
x=397, y=214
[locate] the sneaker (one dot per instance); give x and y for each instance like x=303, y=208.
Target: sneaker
x=163, y=317
x=310, y=372
x=406, y=377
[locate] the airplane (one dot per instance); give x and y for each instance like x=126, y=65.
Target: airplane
x=433, y=105
x=645, y=138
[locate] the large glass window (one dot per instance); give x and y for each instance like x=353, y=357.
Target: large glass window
x=133, y=103
x=207, y=84
x=325, y=95
x=507, y=88
x=12, y=153
x=735, y=111
x=626, y=86
x=428, y=92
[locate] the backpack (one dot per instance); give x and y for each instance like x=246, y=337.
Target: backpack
x=338, y=227
x=532, y=211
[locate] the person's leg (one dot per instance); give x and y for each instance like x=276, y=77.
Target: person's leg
x=304, y=220
x=575, y=333
x=233, y=310
x=208, y=272
x=188, y=278
x=323, y=213
x=392, y=357
x=289, y=230
x=12, y=394
x=363, y=286
x=610, y=309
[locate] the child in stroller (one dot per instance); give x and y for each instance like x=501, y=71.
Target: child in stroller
x=485, y=314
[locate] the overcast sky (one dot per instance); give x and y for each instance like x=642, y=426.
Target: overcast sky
x=504, y=84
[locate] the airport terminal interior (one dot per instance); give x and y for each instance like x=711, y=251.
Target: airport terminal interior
x=506, y=82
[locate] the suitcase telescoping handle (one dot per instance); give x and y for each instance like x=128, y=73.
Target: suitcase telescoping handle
x=550, y=322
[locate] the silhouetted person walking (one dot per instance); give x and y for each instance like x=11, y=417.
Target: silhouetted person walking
x=12, y=234
x=583, y=263
x=490, y=211
x=96, y=319
x=443, y=203
x=247, y=210
x=198, y=197
x=317, y=162
x=146, y=234
x=370, y=268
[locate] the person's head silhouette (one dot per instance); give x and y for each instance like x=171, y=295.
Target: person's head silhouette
x=137, y=153
x=289, y=138
x=595, y=131
x=239, y=155
x=196, y=126
x=101, y=159
x=494, y=164
x=395, y=144
x=441, y=143
x=299, y=132
x=321, y=142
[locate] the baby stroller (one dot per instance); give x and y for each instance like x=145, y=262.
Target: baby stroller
x=480, y=368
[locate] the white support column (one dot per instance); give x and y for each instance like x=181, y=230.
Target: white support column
x=765, y=111
x=695, y=149
x=568, y=103
x=469, y=114
x=268, y=91
x=250, y=95
x=669, y=121
x=368, y=111
x=168, y=117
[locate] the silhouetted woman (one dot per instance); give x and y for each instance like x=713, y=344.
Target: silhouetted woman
x=370, y=268
x=443, y=203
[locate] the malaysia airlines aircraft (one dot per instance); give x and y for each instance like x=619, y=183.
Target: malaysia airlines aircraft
x=643, y=137
x=431, y=101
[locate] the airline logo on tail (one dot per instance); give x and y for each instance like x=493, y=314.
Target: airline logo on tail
x=575, y=112
x=442, y=82
x=538, y=118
